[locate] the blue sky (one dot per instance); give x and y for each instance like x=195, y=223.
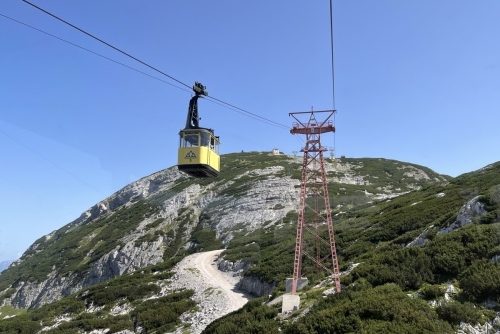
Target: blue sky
x=415, y=81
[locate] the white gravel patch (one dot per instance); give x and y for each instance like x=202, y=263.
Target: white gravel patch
x=215, y=290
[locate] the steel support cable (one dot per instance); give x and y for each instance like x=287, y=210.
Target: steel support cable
x=95, y=53
x=245, y=113
x=221, y=103
x=248, y=112
x=333, y=71
x=145, y=64
x=106, y=43
x=40, y=155
x=331, y=46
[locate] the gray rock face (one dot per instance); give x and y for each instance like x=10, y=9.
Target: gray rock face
x=486, y=328
x=140, y=189
x=470, y=211
x=268, y=200
x=252, y=211
x=420, y=240
x=254, y=286
x=116, y=263
x=473, y=209
x=250, y=285
x=125, y=260
x=233, y=267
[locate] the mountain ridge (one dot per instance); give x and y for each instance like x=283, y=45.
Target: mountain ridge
x=162, y=185
x=168, y=216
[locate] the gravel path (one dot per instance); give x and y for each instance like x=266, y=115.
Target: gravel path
x=215, y=290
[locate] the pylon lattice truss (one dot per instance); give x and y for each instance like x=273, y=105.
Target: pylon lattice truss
x=314, y=213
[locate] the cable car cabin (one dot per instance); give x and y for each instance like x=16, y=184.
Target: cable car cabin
x=199, y=153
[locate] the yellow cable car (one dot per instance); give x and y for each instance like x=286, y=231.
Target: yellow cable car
x=198, y=153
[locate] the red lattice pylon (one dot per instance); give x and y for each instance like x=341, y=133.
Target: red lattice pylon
x=314, y=212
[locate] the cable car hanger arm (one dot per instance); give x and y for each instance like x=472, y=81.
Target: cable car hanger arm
x=193, y=120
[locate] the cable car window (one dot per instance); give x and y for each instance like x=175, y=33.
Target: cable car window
x=205, y=138
x=191, y=140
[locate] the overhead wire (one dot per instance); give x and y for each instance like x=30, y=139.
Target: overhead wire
x=106, y=43
x=95, y=53
x=255, y=116
x=43, y=157
x=186, y=89
x=331, y=47
x=228, y=105
x=216, y=101
x=211, y=99
x=333, y=72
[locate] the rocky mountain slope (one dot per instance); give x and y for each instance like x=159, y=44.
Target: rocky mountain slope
x=134, y=227
x=140, y=232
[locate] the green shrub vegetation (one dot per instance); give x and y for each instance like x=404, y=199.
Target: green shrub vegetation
x=152, y=314
x=383, y=309
x=377, y=237
x=481, y=281
x=162, y=314
x=205, y=239
x=129, y=287
x=432, y=292
x=454, y=312
x=253, y=318
x=177, y=238
x=270, y=251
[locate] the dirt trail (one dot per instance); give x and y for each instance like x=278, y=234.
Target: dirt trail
x=205, y=262
x=214, y=290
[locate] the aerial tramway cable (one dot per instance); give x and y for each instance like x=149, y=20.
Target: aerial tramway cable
x=211, y=98
x=333, y=70
x=331, y=46
x=106, y=43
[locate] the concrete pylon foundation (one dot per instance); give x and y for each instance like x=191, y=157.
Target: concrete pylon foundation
x=290, y=303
